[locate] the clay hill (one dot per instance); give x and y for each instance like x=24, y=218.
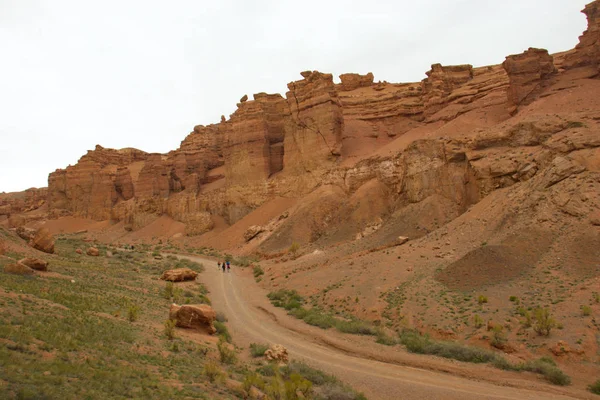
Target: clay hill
x=492, y=173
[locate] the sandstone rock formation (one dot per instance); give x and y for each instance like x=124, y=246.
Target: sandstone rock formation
x=355, y=81
x=25, y=233
x=22, y=202
x=252, y=231
x=526, y=73
x=587, y=52
x=179, y=275
x=35, y=263
x=441, y=81
x=200, y=317
x=18, y=269
x=277, y=353
x=43, y=240
x=92, y=251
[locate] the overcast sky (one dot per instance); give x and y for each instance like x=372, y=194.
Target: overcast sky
x=143, y=73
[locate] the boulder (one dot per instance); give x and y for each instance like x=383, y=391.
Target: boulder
x=25, y=233
x=18, y=269
x=79, y=251
x=277, y=353
x=252, y=231
x=401, y=240
x=526, y=73
x=35, y=263
x=199, y=317
x=43, y=240
x=92, y=251
x=179, y=275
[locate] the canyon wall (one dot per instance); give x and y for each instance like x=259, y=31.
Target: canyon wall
x=289, y=146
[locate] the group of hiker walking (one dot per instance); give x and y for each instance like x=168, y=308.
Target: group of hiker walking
x=223, y=265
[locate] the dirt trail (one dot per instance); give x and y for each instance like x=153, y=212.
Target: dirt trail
x=251, y=318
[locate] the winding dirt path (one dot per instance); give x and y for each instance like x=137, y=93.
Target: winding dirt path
x=380, y=372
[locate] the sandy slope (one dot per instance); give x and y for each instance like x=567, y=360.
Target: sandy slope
x=368, y=367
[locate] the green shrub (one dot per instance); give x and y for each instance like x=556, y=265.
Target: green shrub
x=316, y=318
x=212, y=371
x=294, y=248
x=169, y=329
x=595, y=387
x=478, y=321
x=382, y=338
x=258, y=349
x=226, y=354
x=547, y=368
x=257, y=271
x=498, y=338
x=482, y=299
x=543, y=322
x=222, y=331
x=355, y=327
x=586, y=311
x=252, y=379
x=596, y=297
x=132, y=313
x=422, y=344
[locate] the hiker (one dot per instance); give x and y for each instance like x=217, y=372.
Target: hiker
x=223, y=266
x=218, y=264
x=228, y=266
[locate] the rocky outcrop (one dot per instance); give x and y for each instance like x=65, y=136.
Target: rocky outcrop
x=527, y=73
x=199, y=317
x=92, y=251
x=277, y=353
x=18, y=269
x=355, y=81
x=22, y=202
x=43, y=240
x=179, y=275
x=25, y=233
x=252, y=231
x=587, y=52
x=313, y=137
x=35, y=263
x=254, y=141
x=441, y=81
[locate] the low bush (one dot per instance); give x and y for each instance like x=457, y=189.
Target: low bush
x=212, y=371
x=257, y=271
x=543, y=322
x=595, y=387
x=422, y=344
x=586, y=311
x=548, y=369
x=169, y=329
x=222, y=331
x=258, y=349
x=226, y=354
x=132, y=313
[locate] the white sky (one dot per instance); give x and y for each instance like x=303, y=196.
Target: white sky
x=141, y=73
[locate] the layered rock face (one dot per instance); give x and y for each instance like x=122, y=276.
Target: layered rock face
x=314, y=131
x=441, y=82
x=289, y=146
x=587, y=52
x=22, y=202
x=526, y=73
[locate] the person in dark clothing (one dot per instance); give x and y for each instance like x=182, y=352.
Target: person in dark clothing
x=228, y=266
x=223, y=266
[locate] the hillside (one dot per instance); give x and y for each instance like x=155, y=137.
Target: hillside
x=490, y=174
